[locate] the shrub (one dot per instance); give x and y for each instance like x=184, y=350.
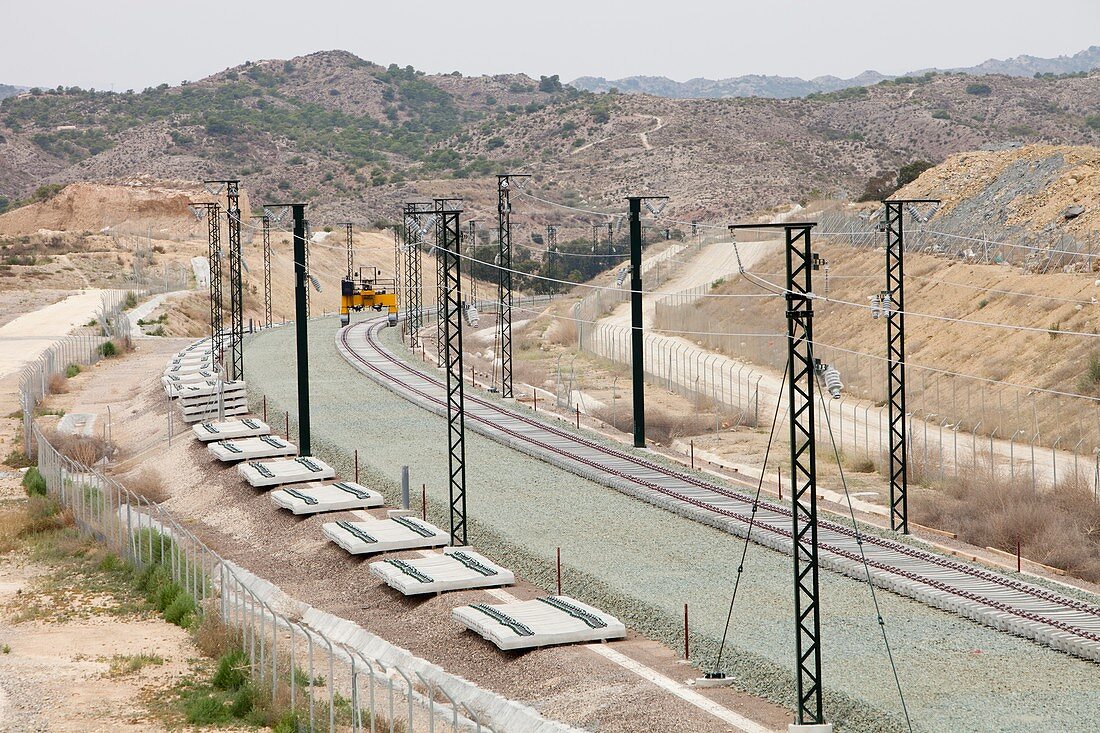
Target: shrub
x=131, y=301
x=230, y=674
x=979, y=90
x=1090, y=380
x=57, y=384
x=43, y=514
x=203, y=709
x=17, y=458
x=72, y=370
x=33, y=482
x=166, y=595
x=181, y=611
x=108, y=349
x=1093, y=121
x=242, y=702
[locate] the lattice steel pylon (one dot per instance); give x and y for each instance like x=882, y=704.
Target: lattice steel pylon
x=265, y=222
x=351, y=247
x=398, y=274
x=235, y=368
x=448, y=243
x=895, y=358
x=801, y=411
x=504, y=277
x=214, y=248
x=414, y=229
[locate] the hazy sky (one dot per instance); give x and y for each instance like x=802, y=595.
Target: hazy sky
x=138, y=43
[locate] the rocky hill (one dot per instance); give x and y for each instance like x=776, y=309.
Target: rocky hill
x=355, y=139
x=784, y=87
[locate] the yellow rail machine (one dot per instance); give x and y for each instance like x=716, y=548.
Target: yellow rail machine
x=359, y=292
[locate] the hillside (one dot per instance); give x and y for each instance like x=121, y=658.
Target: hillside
x=784, y=87
x=1033, y=186
x=355, y=139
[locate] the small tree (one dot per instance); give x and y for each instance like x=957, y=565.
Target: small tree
x=550, y=84
x=911, y=171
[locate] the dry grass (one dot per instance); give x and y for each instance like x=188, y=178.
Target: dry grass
x=1059, y=526
x=80, y=448
x=147, y=484
x=58, y=384
x=661, y=426
x=562, y=333
x=212, y=636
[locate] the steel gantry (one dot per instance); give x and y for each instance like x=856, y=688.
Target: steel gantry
x=235, y=368
x=800, y=397
x=637, y=361
x=448, y=243
x=265, y=227
x=504, y=276
x=417, y=220
x=895, y=357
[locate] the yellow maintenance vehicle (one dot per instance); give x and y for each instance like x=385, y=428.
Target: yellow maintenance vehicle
x=359, y=292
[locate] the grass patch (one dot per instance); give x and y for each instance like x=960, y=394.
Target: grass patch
x=17, y=458
x=122, y=665
x=33, y=482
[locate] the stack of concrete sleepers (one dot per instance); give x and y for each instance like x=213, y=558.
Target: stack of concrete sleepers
x=316, y=497
x=456, y=568
x=230, y=429
x=285, y=471
x=173, y=382
x=541, y=622
x=248, y=449
x=384, y=535
x=209, y=398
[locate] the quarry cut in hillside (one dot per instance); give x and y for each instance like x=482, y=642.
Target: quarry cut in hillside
x=140, y=205
x=1034, y=189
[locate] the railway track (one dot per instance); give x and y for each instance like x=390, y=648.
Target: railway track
x=1001, y=601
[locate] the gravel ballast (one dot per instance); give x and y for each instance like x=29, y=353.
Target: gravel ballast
x=642, y=564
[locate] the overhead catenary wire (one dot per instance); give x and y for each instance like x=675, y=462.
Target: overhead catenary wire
x=752, y=523
x=863, y=559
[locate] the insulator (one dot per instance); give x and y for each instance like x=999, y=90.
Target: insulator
x=876, y=306
x=620, y=278
x=887, y=302
x=316, y=283
x=833, y=385
x=472, y=317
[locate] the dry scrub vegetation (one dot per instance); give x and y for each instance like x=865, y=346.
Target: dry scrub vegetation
x=1057, y=526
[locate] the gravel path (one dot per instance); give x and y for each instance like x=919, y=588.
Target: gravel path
x=643, y=564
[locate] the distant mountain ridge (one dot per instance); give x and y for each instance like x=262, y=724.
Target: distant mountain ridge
x=7, y=90
x=785, y=87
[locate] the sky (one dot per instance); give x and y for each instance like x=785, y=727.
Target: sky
x=128, y=44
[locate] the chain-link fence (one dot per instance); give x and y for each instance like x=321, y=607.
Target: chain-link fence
x=338, y=679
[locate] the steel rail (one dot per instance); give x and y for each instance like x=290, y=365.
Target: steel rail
x=982, y=595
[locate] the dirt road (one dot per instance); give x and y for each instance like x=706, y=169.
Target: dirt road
x=24, y=338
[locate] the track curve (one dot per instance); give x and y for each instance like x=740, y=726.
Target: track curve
x=1003, y=602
